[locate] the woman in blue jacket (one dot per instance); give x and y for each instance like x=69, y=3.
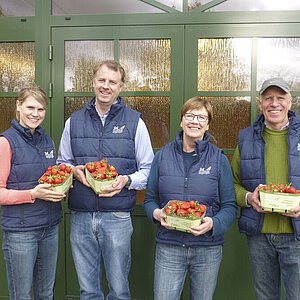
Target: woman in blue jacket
x=190, y=168
x=30, y=212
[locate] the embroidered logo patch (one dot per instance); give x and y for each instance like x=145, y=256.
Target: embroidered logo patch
x=118, y=130
x=298, y=147
x=203, y=171
x=49, y=154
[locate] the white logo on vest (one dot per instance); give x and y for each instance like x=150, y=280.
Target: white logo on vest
x=49, y=154
x=298, y=147
x=202, y=171
x=118, y=130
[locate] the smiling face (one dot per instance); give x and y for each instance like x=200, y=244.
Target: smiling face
x=274, y=103
x=31, y=113
x=107, y=85
x=193, y=129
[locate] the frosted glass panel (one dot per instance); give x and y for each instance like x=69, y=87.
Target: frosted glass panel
x=224, y=64
x=80, y=59
x=230, y=115
x=177, y=4
x=156, y=114
x=147, y=64
x=279, y=57
x=17, y=66
x=17, y=8
x=7, y=112
x=96, y=7
x=74, y=103
x=296, y=104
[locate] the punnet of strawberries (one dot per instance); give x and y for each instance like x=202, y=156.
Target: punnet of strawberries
x=56, y=174
x=101, y=170
x=280, y=188
x=185, y=209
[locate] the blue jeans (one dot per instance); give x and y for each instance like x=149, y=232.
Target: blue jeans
x=273, y=256
x=172, y=264
x=30, y=258
x=102, y=237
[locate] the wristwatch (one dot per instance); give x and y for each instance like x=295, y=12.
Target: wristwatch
x=128, y=183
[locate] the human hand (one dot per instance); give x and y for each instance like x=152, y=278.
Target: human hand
x=115, y=188
x=160, y=216
x=78, y=172
x=254, y=200
x=43, y=191
x=205, y=226
x=295, y=212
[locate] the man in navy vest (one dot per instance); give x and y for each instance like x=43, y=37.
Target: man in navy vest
x=268, y=152
x=101, y=227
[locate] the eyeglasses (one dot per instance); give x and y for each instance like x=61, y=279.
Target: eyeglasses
x=200, y=118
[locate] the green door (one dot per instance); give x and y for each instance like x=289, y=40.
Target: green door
x=153, y=60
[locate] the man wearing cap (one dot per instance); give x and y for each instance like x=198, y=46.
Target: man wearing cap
x=269, y=152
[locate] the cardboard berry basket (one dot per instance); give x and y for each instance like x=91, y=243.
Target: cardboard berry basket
x=59, y=176
x=182, y=223
x=65, y=186
x=278, y=202
x=98, y=184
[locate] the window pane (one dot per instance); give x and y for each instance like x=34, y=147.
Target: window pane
x=279, y=57
x=74, y=103
x=79, y=62
x=17, y=8
x=230, y=115
x=17, y=65
x=156, y=114
x=7, y=112
x=147, y=64
x=176, y=4
x=94, y=7
x=257, y=5
x=224, y=64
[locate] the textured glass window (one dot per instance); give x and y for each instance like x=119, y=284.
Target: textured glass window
x=147, y=64
x=17, y=8
x=156, y=115
x=196, y=3
x=279, y=57
x=257, y=5
x=74, y=103
x=7, y=112
x=17, y=65
x=96, y=7
x=176, y=4
x=230, y=115
x=224, y=64
x=296, y=104
x=80, y=59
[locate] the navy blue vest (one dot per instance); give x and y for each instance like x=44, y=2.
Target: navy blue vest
x=31, y=155
x=91, y=141
x=252, y=168
x=200, y=182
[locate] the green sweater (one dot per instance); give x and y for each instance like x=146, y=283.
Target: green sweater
x=276, y=166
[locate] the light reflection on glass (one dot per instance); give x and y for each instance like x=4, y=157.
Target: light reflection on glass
x=224, y=64
x=80, y=59
x=17, y=66
x=278, y=57
x=147, y=64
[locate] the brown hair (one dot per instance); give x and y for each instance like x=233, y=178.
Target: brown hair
x=197, y=103
x=113, y=65
x=36, y=92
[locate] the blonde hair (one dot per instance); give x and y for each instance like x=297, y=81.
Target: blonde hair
x=36, y=92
